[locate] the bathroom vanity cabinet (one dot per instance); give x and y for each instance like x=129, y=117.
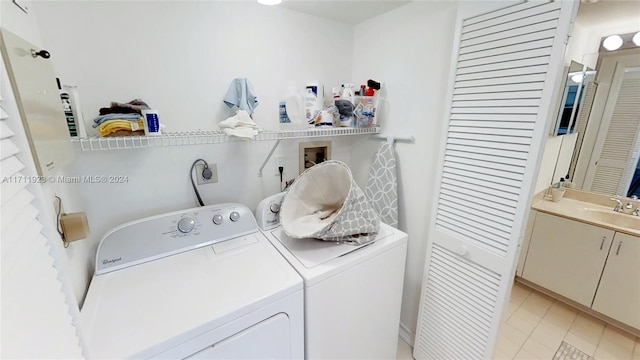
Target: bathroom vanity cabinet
x=567, y=256
x=593, y=266
x=618, y=294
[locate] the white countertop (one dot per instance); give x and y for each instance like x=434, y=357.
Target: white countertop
x=584, y=212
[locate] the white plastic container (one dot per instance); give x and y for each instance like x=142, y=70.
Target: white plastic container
x=151, y=122
x=292, y=113
x=69, y=111
x=74, y=97
x=365, y=112
x=313, y=101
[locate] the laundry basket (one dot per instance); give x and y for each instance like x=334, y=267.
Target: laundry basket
x=325, y=203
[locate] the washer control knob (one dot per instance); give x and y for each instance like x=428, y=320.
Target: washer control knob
x=218, y=219
x=235, y=216
x=275, y=208
x=186, y=224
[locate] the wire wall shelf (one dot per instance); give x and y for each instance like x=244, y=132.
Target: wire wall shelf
x=97, y=143
x=315, y=132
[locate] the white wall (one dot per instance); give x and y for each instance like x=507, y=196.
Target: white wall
x=409, y=49
x=180, y=58
x=577, y=45
x=20, y=23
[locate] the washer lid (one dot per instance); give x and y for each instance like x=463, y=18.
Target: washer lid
x=314, y=252
x=143, y=310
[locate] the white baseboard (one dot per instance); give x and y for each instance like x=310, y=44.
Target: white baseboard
x=406, y=335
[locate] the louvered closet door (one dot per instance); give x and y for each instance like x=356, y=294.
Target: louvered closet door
x=36, y=321
x=617, y=147
x=506, y=67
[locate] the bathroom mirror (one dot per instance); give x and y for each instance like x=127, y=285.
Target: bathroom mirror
x=607, y=160
x=598, y=114
x=576, y=79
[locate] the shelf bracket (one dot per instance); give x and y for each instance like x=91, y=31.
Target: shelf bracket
x=268, y=157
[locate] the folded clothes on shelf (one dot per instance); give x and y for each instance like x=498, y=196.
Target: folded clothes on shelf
x=110, y=127
x=132, y=107
x=102, y=118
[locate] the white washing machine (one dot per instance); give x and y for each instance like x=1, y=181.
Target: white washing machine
x=198, y=283
x=352, y=294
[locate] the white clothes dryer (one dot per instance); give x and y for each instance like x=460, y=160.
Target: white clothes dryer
x=198, y=283
x=352, y=294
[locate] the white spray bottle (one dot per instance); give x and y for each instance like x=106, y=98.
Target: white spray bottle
x=347, y=92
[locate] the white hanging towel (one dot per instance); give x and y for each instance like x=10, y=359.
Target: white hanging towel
x=241, y=95
x=382, y=185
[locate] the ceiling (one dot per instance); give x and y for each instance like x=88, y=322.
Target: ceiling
x=591, y=13
x=346, y=11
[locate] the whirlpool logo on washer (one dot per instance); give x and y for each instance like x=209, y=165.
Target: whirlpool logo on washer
x=111, y=261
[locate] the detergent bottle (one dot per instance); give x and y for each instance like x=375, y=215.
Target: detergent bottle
x=292, y=116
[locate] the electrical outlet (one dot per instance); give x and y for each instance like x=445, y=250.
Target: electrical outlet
x=214, y=174
x=279, y=160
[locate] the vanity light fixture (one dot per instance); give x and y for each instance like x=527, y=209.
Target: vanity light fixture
x=620, y=42
x=269, y=2
x=636, y=38
x=577, y=78
x=612, y=42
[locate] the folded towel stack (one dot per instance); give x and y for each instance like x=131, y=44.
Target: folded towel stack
x=121, y=119
x=240, y=125
x=121, y=127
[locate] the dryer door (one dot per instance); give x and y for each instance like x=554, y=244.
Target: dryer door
x=268, y=339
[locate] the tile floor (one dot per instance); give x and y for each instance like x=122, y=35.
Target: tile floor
x=535, y=325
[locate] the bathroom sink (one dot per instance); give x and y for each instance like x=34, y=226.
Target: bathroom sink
x=613, y=218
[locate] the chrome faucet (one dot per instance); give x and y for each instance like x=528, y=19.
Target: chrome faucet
x=635, y=212
x=629, y=206
x=618, y=207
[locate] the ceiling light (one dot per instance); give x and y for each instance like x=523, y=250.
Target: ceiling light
x=577, y=78
x=269, y=2
x=612, y=42
x=636, y=38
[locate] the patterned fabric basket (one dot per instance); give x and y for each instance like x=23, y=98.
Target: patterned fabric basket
x=325, y=203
